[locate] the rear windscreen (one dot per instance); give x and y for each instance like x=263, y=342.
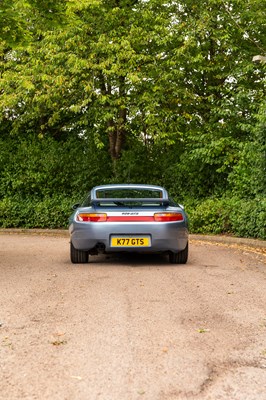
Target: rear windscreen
x=129, y=194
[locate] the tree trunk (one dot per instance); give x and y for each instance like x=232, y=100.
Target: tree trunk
x=117, y=134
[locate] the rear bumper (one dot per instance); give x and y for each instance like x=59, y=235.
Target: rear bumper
x=170, y=236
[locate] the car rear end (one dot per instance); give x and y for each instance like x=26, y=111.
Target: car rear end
x=138, y=230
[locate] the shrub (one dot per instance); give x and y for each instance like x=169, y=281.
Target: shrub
x=230, y=215
x=50, y=212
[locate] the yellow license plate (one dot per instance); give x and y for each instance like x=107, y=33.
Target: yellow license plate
x=130, y=242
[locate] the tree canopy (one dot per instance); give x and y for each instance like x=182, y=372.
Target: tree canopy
x=163, y=91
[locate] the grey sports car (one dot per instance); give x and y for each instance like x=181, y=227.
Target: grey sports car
x=128, y=218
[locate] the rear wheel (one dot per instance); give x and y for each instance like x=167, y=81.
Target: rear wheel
x=180, y=257
x=78, y=256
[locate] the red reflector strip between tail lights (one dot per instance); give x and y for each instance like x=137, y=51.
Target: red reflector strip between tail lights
x=130, y=218
x=158, y=217
x=91, y=217
x=168, y=217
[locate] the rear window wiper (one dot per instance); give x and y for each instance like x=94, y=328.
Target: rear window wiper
x=119, y=203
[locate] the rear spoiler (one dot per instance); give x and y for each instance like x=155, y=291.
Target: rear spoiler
x=164, y=201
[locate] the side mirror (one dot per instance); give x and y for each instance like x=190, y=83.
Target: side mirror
x=75, y=206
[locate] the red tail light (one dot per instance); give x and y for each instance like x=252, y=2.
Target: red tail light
x=91, y=217
x=168, y=217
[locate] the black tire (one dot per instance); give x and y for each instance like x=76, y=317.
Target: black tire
x=179, y=258
x=78, y=256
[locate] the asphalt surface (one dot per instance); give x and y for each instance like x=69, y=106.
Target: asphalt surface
x=131, y=327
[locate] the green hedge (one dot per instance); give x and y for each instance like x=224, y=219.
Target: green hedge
x=239, y=217
x=244, y=218
x=52, y=212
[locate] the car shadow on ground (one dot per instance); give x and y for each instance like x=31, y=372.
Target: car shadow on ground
x=128, y=259
x=133, y=259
